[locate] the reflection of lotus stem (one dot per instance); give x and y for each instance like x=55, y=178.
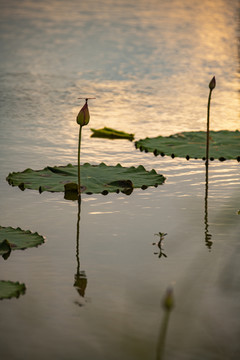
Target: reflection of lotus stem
x=77, y=240
x=206, y=204
x=207, y=235
x=79, y=148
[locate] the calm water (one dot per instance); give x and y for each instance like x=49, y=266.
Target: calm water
x=148, y=63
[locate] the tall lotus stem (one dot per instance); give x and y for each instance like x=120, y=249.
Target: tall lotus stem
x=212, y=85
x=82, y=119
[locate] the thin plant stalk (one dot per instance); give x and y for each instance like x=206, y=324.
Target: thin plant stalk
x=208, y=120
x=82, y=119
x=212, y=85
x=79, y=151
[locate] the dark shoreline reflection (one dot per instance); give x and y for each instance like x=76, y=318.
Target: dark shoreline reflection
x=80, y=278
x=208, y=236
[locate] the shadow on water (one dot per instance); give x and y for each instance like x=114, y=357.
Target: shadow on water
x=80, y=278
x=208, y=236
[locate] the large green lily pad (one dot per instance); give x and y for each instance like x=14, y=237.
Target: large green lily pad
x=18, y=239
x=9, y=289
x=94, y=178
x=110, y=133
x=223, y=145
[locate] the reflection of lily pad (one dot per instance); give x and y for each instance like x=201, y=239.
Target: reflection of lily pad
x=110, y=133
x=5, y=249
x=94, y=178
x=18, y=239
x=223, y=145
x=5, y=246
x=9, y=289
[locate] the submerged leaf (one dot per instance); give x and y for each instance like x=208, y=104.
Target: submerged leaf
x=94, y=178
x=18, y=239
x=110, y=133
x=9, y=289
x=223, y=145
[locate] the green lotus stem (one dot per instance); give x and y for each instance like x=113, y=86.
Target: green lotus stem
x=79, y=151
x=82, y=119
x=212, y=85
x=208, y=117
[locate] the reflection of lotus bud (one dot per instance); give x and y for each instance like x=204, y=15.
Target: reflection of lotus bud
x=83, y=115
x=212, y=83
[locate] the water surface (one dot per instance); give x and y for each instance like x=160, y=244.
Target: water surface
x=148, y=63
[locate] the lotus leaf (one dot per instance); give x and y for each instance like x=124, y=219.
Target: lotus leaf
x=111, y=134
x=17, y=239
x=223, y=145
x=94, y=178
x=9, y=289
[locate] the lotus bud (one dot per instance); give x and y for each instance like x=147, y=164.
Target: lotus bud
x=212, y=83
x=83, y=115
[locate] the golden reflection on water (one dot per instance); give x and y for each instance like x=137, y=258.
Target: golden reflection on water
x=196, y=42
x=148, y=63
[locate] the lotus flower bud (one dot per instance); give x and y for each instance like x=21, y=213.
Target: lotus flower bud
x=212, y=83
x=83, y=115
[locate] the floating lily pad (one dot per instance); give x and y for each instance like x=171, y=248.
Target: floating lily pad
x=223, y=145
x=18, y=239
x=9, y=289
x=94, y=178
x=110, y=133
